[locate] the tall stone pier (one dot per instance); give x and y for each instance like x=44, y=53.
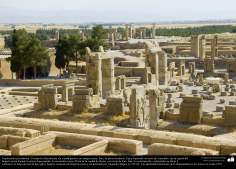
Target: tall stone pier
x=94, y=73
x=139, y=110
x=108, y=77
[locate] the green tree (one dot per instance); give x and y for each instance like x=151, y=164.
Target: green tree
x=37, y=54
x=20, y=58
x=74, y=47
x=60, y=60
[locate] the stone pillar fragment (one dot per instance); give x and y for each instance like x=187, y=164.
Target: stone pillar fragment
x=94, y=73
x=115, y=105
x=82, y=100
x=47, y=97
x=108, y=79
x=139, y=110
x=191, y=109
x=156, y=103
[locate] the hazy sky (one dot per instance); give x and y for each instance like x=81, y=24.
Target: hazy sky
x=80, y=11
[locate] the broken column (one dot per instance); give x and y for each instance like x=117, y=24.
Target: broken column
x=191, y=109
x=115, y=105
x=126, y=32
x=108, y=79
x=162, y=68
x=156, y=103
x=202, y=47
x=209, y=66
x=214, y=47
x=229, y=115
x=181, y=71
x=94, y=73
x=153, y=31
x=192, y=68
x=47, y=97
x=139, y=110
x=67, y=91
x=82, y=100
x=195, y=46
x=172, y=70
x=120, y=83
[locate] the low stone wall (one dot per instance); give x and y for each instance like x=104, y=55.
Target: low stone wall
x=33, y=145
x=19, y=132
x=33, y=83
x=147, y=136
x=6, y=141
x=114, y=144
x=167, y=149
x=5, y=152
x=21, y=93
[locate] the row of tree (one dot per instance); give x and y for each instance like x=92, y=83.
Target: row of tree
x=27, y=52
x=186, y=32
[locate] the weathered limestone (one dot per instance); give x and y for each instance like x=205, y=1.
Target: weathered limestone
x=82, y=100
x=153, y=34
x=209, y=66
x=198, y=46
x=94, y=73
x=195, y=46
x=47, y=97
x=156, y=103
x=229, y=116
x=120, y=83
x=181, y=71
x=139, y=113
x=162, y=68
x=225, y=146
x=191, y=109
x=231, y=66
x=108, y=79
x=202, y=47
x=126, y=32
x=152, y=59
x=172, y=70
x=115, y=105
x=192, y=68
x=68, y=91
x=214, y=47
x=32, y=146
x=167, y=149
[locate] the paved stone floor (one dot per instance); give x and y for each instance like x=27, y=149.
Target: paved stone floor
x=11, y=101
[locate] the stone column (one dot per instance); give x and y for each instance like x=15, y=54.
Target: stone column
x=81, y=101
x=209, y=65
x=154, y=108
x=162, y=68
x=181, y=68
x=139, y=111
x=126, y=32
x=108, y=78
x=153, y=31
x=202, y=48
x=172, y=70
x=214, y=47
x=115, y=105
x=192, y=68
x=47, y=97
x=112, y=40
x=94, y=73
x=195, y=46
x=191, y=109
x=131, y=32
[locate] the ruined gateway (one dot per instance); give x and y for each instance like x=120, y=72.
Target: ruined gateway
x=135, y=99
